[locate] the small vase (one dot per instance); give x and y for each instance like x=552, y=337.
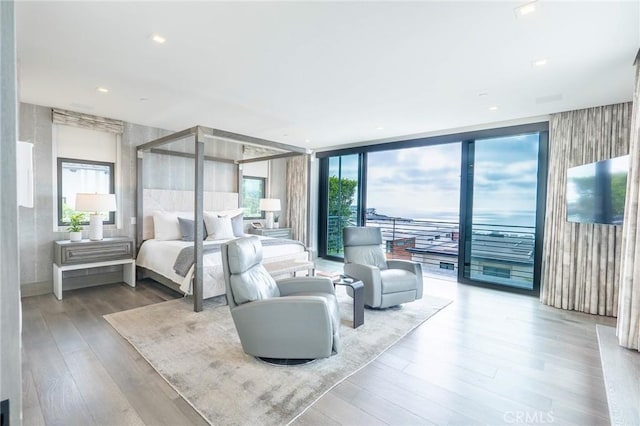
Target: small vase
x=276, y=225
x=75, y=236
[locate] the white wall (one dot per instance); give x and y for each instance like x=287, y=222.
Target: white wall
x=10, y=338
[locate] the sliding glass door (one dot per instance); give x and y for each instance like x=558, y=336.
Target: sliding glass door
x=343, y=200
x=502, y=195
x=413, y=196
x=467, y=206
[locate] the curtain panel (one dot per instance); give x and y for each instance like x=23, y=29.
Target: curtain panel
x=581, y=262
x=628, y=327
x=297, y=192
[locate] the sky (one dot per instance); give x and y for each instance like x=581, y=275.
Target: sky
x=424, y=183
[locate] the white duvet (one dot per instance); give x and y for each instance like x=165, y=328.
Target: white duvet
x=160, y=256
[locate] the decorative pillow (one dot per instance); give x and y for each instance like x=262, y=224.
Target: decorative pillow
x=188, y=229
x=230, y=213
x=237, y=223
x=218, y=227
x=166, y=226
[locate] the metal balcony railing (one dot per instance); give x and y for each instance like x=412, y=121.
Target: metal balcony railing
x=499, y=253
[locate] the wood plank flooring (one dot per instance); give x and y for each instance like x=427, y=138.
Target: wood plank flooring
x=78, y=371
x=489, y=358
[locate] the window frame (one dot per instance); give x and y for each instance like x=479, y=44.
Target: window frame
x=112, y=178
x=466, y=138
x=263, y=195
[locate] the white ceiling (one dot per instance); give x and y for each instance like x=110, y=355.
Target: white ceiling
x=319, y=74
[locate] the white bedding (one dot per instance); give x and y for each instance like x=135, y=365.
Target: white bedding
x=160, y=256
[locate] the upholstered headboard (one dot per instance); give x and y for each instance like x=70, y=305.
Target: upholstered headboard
x=168, y=200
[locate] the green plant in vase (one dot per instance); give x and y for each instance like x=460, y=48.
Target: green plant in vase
x=75, y=226
x=276, y=223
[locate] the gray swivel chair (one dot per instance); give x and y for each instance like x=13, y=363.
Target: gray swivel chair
x=386, y=282
x=293, y=318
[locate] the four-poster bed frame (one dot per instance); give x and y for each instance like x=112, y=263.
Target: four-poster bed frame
x=202, y=135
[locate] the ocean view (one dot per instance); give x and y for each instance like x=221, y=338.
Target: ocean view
x=506, y=219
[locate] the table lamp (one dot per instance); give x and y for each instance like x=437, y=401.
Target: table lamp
x=97, y=204
x=269, y=205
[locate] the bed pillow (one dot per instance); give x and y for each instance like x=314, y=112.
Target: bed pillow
x=166, y=226
x=237, y=223
x=230, y=213
x=218, y=227
x=188, y=229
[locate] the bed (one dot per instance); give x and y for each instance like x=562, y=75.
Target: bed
x=159, y=257
x=163, y=245
x=174, y=173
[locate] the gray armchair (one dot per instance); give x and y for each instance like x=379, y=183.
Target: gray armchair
x=293, y=318
x=386, y=282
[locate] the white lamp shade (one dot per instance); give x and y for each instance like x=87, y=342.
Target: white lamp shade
x=95, y=202
x=270, y=204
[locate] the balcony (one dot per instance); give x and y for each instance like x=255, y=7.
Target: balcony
x=500, y=254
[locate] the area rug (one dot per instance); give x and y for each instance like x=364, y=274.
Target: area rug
x=200, y=356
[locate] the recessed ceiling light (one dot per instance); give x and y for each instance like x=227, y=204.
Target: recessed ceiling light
x=540, y=62
x=158, y=38
x=102, y=90
x=482, y=94
x=144, y=99
x=493, y=108
x=307, y=140
x=525, y=9
x=379, y=128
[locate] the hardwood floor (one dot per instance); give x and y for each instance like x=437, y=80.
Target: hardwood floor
x=78, y=371
x=488, y=358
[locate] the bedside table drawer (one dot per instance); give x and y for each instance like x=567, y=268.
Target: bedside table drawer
x=90, y=252
x=272, y=232
x=278, y=233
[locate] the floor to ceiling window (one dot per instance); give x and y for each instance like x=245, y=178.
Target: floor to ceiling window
x=413, y=196
x=343, y=200
x=501, y=204
x=467, y=206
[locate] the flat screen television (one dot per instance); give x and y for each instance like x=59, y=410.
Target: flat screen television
x=596, y=191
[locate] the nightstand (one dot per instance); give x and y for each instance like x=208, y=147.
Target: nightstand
x=273, y=232
x=69, y=256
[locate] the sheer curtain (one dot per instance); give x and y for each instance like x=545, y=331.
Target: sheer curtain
x=628, y=329
x=297, y=193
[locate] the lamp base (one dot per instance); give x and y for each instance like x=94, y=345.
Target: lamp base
x=95, y=227
x=269, y=217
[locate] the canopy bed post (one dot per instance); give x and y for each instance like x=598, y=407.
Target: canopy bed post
x=199, y=222
x=139, y=198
